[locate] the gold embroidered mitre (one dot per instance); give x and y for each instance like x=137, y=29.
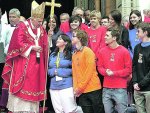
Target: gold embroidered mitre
x=37, y=11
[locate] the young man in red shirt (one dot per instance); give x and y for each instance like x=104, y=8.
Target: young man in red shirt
x=96, y=32
x=114, y=63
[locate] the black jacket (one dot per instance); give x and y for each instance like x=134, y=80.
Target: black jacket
x=141, y=67
x=124, y=37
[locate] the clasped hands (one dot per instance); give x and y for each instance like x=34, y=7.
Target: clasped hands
x=109, y=72
x=37, y=48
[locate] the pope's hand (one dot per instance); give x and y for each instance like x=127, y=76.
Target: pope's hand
x=37, y=48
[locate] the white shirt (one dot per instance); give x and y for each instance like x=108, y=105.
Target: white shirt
x=7, y=32
x=2, y=56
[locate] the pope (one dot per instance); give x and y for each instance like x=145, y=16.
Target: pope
x=25, y=70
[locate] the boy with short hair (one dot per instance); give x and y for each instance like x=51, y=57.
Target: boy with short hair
x=96, y=32
x=141, y=70
x=86, y=83
x=114, y=63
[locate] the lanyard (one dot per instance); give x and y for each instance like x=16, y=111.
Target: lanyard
x=58, y=59
x=57, y=65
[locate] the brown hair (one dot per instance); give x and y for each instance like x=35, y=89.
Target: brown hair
x=145, y=27
x=114, y=32
x=82, y=36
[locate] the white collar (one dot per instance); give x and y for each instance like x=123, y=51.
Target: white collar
x=36, y=37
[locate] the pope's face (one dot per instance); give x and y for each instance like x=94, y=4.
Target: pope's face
x=37, y=22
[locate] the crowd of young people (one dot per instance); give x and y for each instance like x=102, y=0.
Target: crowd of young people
x=89, y=66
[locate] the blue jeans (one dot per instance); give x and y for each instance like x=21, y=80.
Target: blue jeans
x=115, y=98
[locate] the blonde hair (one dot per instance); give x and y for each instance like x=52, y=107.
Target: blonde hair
x=95, y=13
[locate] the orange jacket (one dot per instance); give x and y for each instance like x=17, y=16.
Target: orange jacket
x=85, y=77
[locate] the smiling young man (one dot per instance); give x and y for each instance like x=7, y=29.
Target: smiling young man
x=105, y=21
x=96, y=32
x=141, y=69
x=114, y=63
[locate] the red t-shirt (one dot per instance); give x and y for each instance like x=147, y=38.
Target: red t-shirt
x=96, y=39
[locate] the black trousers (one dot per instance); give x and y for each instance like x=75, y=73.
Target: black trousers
x=91, y=102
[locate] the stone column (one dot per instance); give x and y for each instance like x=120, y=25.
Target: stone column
x=110, y=5
x=103, y=7
x=81, y=3
x=97, y=5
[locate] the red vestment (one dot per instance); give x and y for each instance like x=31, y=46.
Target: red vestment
x=24, y=76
